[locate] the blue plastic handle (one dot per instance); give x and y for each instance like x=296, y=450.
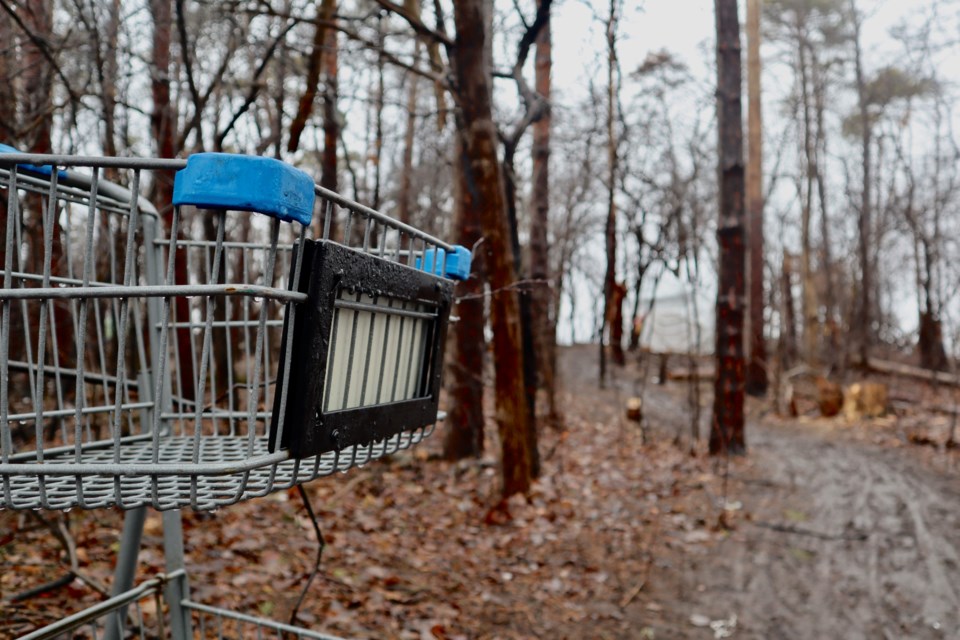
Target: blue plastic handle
x=245, y=183
x=33, y=168
x=457, y=266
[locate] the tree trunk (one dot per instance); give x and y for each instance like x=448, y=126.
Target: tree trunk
x=810, y=306
x=930, y=342
x=463, y=437
x=542, y=293
x=826, y=262
x=378, y=123
x=610, y=229
x=526, y=315
x=405, y=196
x=406, y=173
x=312, y=75
x=331, y=119
x=788, y=315
x=727, y=432
x=37, y=97
x=108, y=89
x=9, y=71
x=932, y=354
x=163, y=123
x=864, y=316
x=484, y=182
x=757, y=367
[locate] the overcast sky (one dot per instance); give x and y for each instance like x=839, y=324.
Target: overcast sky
x=686, y=27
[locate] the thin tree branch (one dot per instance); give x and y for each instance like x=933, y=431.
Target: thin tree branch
x=43, y=48
x=254, y=85
x=535, y=105
x=416, y=23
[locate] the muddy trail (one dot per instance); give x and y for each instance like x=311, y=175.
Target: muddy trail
x=829, y=536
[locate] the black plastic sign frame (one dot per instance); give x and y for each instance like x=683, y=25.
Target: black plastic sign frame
x=327, y=269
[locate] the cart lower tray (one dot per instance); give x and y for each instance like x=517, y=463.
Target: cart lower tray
x=229, y=473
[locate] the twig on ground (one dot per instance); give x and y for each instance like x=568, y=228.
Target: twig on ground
x=321, y=543
x=637, y=588
x=46, y=587
x=59, y=530
x=786, y=528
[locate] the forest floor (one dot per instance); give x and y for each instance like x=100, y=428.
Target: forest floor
x=826, y=529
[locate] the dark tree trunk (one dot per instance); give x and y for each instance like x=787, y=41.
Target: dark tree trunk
x=616, y=322
x=930, y=343
x=809, y=304
x=526, y=312
x=311, y=76
x=610, y=229
x=9, y=71
x=727, y=432
x=463, y=436
x=542, y=294
x=864, y=315
x=932, y=354
x=405, y=197
x=484, y=181
x=788, y=315
x=832, y=328
x=756, y=384
x=37, y=97
x=163, y=123
x=109, y=83
x=331, y=119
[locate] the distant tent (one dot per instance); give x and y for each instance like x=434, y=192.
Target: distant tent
x=679, y=322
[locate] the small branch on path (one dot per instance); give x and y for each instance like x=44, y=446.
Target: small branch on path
x=786, y=528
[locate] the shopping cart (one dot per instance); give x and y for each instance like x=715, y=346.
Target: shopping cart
x=245, y=352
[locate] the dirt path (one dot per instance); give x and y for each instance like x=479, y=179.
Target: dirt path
x=832, y=538
x=845, y=540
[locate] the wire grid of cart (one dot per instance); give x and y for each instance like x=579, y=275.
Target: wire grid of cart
x=154, y=357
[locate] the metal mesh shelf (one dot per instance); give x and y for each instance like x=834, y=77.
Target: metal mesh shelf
x=174, y=481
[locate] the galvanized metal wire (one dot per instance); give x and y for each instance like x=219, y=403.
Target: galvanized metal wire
x=141, y=613
x=140, y=343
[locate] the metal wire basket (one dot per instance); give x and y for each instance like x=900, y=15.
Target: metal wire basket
x=243, y=353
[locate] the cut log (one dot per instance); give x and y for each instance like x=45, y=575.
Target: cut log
x=909, y=404
x=688, y=374
x=865, y=400
x=829, y=397
x=897, y=369
x=635, y=409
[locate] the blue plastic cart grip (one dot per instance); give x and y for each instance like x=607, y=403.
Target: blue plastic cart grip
x=457, y=266
x=32, y=168
x=245, y=183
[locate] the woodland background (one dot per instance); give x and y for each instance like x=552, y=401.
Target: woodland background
x=816, y=201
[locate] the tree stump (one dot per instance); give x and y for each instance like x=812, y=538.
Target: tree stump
x=829, y=397
x=866, y=400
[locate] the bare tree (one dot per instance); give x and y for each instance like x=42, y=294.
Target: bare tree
x=864, y=332
x=757, y=366
x=610, y=313
x=542, y=304
x=727, y=432
x=478, y=135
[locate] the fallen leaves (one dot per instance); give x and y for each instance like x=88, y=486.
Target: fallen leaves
x=418, y=548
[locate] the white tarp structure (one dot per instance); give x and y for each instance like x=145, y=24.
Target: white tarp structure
x=679, y=322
